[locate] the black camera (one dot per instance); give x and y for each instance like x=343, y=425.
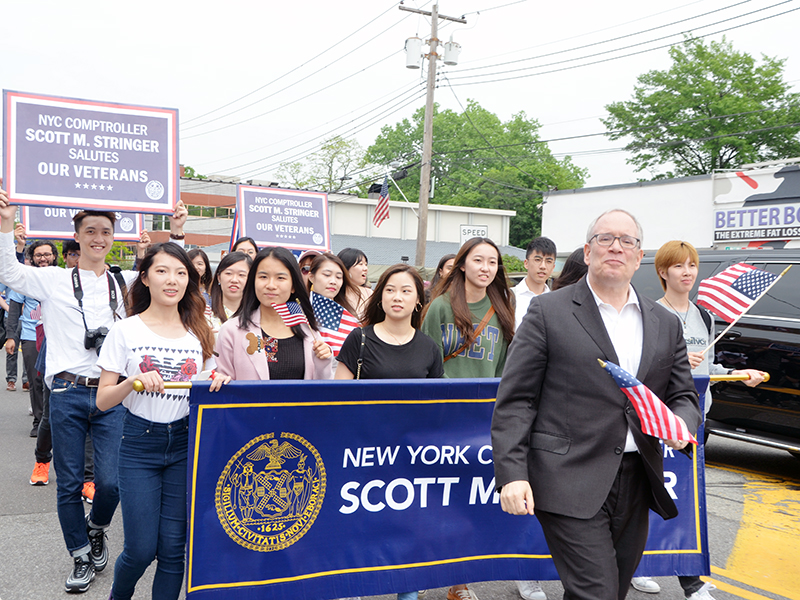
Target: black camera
x=94, y=338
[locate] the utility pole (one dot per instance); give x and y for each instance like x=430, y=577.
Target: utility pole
x=427, y=139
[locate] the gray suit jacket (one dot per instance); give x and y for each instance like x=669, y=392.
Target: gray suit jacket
x=560, y=421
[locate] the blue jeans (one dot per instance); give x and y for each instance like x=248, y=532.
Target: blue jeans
x=73, y=413
x=152, y=486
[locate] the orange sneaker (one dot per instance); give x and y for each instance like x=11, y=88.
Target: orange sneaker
x=41, y=474
x=88, y=491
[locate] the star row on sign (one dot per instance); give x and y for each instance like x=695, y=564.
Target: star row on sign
x=94, y=186
x=286, y=237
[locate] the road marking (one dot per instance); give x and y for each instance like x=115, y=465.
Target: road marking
x=767, y=545
x=732, y=589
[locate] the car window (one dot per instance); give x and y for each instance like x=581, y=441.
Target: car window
x=783, y=299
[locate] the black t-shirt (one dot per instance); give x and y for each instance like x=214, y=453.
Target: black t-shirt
x=285, y=358
x=418, y=359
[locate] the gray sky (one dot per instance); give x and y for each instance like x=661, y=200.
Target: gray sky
x=200, y=56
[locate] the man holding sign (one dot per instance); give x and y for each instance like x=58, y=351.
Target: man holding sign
x=78, y=308
x=574, y=444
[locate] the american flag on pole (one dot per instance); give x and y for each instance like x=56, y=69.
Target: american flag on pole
x=335, y=323
x=382, y=209
x=291, y=313
x=656, y=417
x=732, y=292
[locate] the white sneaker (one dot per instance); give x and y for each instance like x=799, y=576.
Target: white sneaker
x=646, y=585
x=703, y=593
x=531, y=590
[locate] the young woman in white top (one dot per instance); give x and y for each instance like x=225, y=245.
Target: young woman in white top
x=166, y=338
x=228, y=287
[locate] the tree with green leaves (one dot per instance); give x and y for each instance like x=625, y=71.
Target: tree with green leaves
x=480, y=161
x=329, y=169
x=714, y=108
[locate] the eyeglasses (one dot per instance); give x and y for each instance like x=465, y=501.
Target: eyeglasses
x=541, y=259
x=305, y=270
x=39, y=256
x=606, y=239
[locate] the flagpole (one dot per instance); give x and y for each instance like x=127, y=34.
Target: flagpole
x=389, y=175
x=736, y=320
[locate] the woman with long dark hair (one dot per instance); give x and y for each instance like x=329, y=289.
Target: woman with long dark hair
x=256, y=343
x=471, y=317
x=357, y=265
x=393, y=345
x=329, y=277
x=165, y=338
x=227, y=287
x=573, y=270
x=201, y=263
x=247, y=245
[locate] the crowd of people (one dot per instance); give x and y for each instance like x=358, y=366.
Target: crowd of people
x=468, y=323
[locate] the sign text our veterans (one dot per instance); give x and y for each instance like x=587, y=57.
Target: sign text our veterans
x=63, y=152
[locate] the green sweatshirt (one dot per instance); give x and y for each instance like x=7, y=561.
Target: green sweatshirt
x=485, y=358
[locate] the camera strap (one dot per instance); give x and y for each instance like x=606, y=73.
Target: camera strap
x=77, y=290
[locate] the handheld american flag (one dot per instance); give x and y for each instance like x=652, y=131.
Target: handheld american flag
x=656, y=417
x=335, y=323
x=382, y=209
x=291, y=313
x=732, y=292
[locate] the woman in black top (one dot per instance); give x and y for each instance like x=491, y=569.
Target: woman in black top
x=394, y=348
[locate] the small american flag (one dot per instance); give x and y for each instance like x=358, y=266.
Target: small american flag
x=732, y=292
x=291, y=313
x=335, y=323
x=382, y=209
x=656, y=417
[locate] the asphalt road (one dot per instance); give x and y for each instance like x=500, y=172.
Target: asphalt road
x=754, y=525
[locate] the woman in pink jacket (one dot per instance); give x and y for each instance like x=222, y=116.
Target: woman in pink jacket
x=255, y=343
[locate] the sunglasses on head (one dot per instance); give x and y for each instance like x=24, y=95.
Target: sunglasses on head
x=305, y=270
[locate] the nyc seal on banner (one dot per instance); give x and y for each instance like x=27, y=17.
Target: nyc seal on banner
x=64, y=152
x=55, y=223
x=294, y=219
x=308, y=490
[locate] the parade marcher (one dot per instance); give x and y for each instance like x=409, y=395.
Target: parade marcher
x=165, y=338
x=357, y=265
x=471, y=320
x=23, y=310
x=203, y=266
x=78, y=308
x=256, y=344
x=575, y=445
x=12, y=358
x=442, y=269
x=390, y=345
x=676, y=264
x=328, y=277
x=247, y=245
x=540, y=260
x=304, y=262
x=573, y=270
x=228, y=287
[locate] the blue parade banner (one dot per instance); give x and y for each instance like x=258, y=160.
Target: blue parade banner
x=318, y=489
x=73, y=153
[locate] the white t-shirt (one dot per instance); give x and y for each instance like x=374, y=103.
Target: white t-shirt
x=132, y=348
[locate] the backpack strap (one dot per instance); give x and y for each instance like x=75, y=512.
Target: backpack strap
x=707, y=320
x=475, y=336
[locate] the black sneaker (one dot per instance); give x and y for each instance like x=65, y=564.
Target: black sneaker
x=99, y=551
x=81, y=576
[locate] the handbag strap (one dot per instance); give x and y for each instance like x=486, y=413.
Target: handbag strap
x=361, y=354
x=481, y=325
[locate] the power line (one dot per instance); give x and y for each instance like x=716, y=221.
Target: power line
x=608, y=41
x=688, y=39
x=292, y=71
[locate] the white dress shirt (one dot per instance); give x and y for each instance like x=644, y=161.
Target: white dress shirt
x=626, y=333
x=524, y=296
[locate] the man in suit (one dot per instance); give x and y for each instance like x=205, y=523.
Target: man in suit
x=565, y=437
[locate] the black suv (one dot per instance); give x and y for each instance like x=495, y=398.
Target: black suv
x=766, y=338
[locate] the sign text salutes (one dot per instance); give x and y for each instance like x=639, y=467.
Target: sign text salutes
x=402, y=493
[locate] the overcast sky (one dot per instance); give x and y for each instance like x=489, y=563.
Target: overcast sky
x=199, y=57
